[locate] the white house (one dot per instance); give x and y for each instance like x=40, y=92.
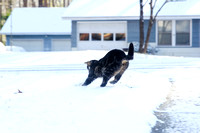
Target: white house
x=38, y=29
x=108, y=24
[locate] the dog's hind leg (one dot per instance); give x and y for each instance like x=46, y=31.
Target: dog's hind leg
x=117, y=78
x=122, y=70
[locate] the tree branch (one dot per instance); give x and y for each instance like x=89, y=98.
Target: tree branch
x=145, y=2
x=154, y=3
x=159, y=10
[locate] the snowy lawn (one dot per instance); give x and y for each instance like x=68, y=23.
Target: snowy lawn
x=53, y=100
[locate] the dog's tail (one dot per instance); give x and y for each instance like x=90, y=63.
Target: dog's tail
x=130, y=55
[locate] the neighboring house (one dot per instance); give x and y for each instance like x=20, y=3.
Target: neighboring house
x=108, y=24
x=38, y=29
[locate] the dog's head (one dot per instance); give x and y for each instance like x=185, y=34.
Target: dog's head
x=91, y=66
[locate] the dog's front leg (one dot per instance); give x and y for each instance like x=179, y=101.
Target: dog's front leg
x=105, y=81
x=88, y=80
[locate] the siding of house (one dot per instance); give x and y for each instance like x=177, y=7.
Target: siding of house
x=47, y=39
x=133, y=31
x=195, y=33
x=74, y=34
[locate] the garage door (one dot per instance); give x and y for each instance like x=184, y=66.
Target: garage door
x=61, y=45
x=101, y=35
x=29, y=44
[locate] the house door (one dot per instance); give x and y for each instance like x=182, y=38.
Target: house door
x=174, y=32
x=103, y=35
x=61, y=45
x=29, y=45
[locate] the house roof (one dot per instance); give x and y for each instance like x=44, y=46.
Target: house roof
x=37, y=21
x=129, y=9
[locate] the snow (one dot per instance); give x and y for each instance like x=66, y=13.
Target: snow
x=127, y=8
x=2, y=47
x=53, y=100
x=15, y=49
x=182, y=110
x=37, y=21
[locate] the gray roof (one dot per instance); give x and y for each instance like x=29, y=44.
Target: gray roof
x=37, y=21
x=129, y=9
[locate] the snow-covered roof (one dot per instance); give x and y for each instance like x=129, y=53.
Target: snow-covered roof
x=129, y=9
x=37, y=21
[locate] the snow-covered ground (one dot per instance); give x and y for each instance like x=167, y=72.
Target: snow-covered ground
x=53, y=100
x=181, y=111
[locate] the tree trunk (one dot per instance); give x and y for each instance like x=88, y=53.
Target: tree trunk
x=141, y=27
x=0, y=18
x=25, y=3
x=53, y=3
x=10, y=5
x=67, y=3
x=151, y=21
x=33, y=3
x=64, y=3
x=40, y=3
x=148, y=35
x=45, y=3
x=19, y=3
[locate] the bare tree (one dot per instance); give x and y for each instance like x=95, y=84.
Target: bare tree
x=25, y=3
x=33, y=3
x=20, y=3
x=45, y=3
x=10, y=3
x=141, y=26
x=53, y=3
x=64, y=4
x=40, y=3
x=0, y=18
x=152, y=18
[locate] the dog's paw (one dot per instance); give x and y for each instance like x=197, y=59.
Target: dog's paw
x=113, y=82
x=84, y=84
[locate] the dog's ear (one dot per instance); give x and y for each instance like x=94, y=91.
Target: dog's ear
x=88, y=63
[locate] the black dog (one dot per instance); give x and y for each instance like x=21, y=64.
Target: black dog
x=114, y=63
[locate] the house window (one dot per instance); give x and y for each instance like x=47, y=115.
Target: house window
x=84, y=36
x=96, y=36
x=108, y=36
x=174, y=32
x=182, y=32
x=120, y=36
x=165, y=32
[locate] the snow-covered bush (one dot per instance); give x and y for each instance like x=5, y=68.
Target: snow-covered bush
x=15, y=49
x=150, y=49
x=2, y=47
